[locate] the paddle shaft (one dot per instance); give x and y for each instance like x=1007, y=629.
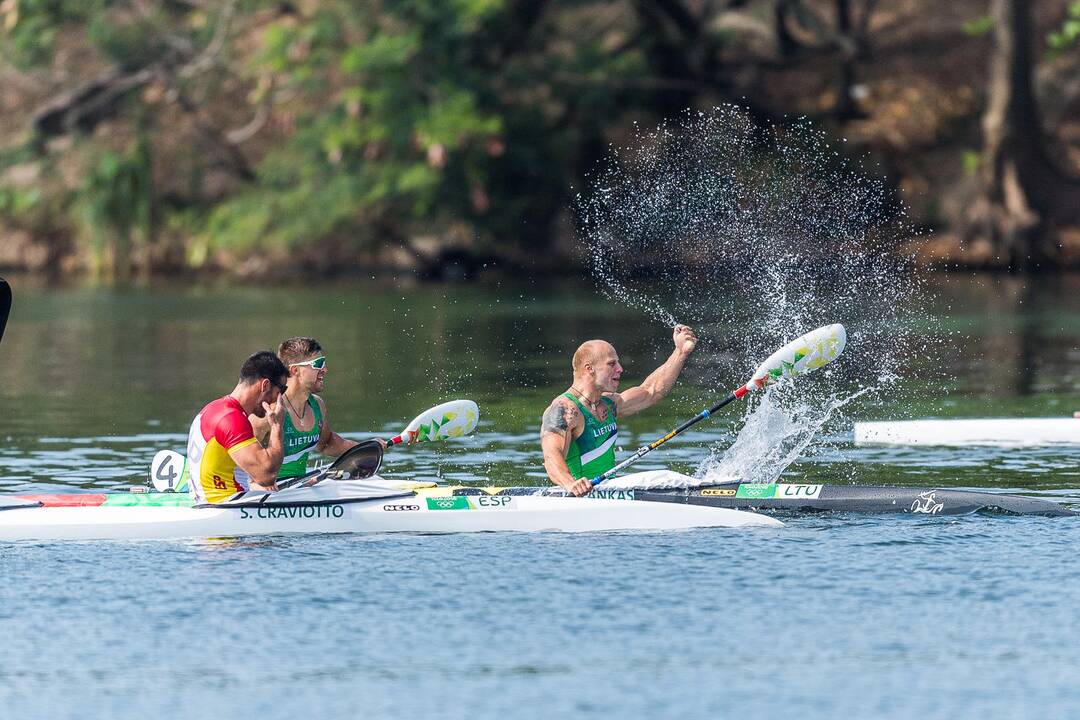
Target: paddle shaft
x=646, y=449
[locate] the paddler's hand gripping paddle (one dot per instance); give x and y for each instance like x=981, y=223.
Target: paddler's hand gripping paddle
x=808, y=352
x=449, y=420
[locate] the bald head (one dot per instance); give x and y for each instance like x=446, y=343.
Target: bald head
x=591, y=352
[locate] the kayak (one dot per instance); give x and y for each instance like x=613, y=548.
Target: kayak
x=655, y=500
x=975, y=431
x=876, y=499
x=350, y=506
x=799, y=497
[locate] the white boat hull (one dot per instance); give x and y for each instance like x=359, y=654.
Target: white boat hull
x=410, y=514
x=987, y=431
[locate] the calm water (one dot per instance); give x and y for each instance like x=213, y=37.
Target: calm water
x=864, y=616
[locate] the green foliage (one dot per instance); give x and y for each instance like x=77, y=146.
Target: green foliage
x=972, y=160
x=385, y=144
x=979, y=26
x=116, y=202
x=386, y=119
x=28, y=28
x=130, y=44
x=1069, y=33
x=18, y=203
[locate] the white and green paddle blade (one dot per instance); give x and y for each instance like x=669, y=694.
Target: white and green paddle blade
x=449, y=420
x=815, y=349
x=169, y=472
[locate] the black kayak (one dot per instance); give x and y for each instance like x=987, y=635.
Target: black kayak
x=792, y=497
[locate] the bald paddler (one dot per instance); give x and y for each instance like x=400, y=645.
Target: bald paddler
x=579, y=429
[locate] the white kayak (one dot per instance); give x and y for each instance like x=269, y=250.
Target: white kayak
x=364, y=506
x=980, y=431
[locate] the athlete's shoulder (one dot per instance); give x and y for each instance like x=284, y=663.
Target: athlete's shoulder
x=565, y=401
x=225, y=420
x=561, y=414
x=613, y=399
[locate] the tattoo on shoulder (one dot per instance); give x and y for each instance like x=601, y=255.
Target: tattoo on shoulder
x=557, y=419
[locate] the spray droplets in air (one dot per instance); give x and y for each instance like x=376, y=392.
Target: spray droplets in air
x=756, y=234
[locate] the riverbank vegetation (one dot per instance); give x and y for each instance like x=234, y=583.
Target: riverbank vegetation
x=443, y=137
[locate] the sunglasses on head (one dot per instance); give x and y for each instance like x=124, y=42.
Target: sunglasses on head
x=318, y=363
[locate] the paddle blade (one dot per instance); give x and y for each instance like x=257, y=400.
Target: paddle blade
x=357, y=463
x=449, y=420
x=808, y=352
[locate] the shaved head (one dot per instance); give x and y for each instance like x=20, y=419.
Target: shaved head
x=591, y=352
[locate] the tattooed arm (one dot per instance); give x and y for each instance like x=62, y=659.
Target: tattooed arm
x=561, y=424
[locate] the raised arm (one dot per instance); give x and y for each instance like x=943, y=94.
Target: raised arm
x=261, y=427
x=562, y=422
x=662, y=379
x=263, y=463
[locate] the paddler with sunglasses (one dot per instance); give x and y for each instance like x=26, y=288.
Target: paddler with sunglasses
x=579, y=429
x=306, y=425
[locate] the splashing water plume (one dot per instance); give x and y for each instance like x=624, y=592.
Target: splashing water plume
x=756, y=234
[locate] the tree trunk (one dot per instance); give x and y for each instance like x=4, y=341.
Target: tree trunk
x=847, y=50
x=785, y=41
x=1005, y=225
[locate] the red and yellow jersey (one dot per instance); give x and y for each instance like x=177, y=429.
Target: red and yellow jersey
x=220, y=427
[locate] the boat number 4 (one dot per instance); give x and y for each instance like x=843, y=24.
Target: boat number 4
x=927, y=503
x=166, y=473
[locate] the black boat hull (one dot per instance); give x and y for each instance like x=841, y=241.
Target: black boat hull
x=802, y=498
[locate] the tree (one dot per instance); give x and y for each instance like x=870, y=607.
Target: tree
x=1020, y=194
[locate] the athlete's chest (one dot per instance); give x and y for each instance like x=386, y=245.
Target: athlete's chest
x=599, y=425
x=304, y=424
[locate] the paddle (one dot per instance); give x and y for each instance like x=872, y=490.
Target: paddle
x=357, y=463
x=168, y=470
x=5, y=305
x=808, y=352
x=449, y=420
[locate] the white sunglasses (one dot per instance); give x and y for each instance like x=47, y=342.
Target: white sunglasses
x=318, y=363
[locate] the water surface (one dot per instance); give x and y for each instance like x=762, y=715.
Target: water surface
x=879, y=616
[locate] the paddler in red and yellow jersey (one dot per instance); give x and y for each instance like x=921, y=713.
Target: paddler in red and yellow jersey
x=224, y=457
x=579, y=429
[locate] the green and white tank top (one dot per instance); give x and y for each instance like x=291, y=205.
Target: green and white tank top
x=593, y=452
x=298, y=445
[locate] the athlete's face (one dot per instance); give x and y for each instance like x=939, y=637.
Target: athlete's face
x=310, y=373
x=271, y=391
x=607, y=371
